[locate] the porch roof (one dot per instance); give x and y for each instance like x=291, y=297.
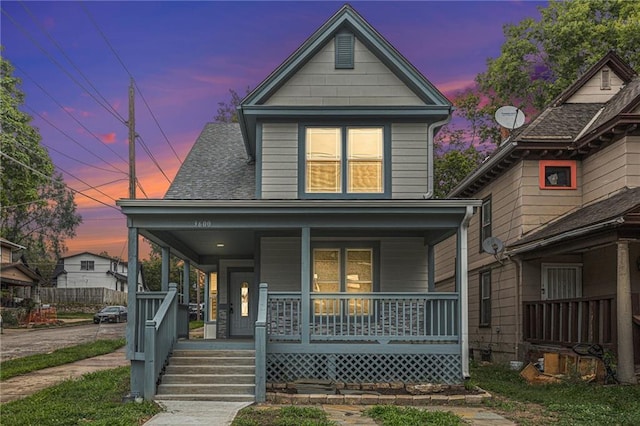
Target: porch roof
x=194, y=228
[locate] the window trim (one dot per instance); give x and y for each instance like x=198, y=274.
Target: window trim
x=482, y=298
x=386, y=161
x=542, y=166
x=485, y=201
x=90, y=265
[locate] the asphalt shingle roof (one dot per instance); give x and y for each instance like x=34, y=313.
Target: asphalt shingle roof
x=217, y=167
x=563, y=122
x=616, y=206
x=619, y=102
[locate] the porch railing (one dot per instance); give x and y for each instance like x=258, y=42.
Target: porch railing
x=373, y=317
x=570, y=321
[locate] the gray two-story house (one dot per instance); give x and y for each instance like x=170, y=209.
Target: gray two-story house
x=313, y=223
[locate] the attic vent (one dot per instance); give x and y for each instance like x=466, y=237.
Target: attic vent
x=605, y=79
x=344, y=51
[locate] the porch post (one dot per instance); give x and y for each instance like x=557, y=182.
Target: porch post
x=136, y=380
x=626, y=369
x=164, y=275
x=462, y=279
x=186, y=268
x=305, y=282
x=431, y=268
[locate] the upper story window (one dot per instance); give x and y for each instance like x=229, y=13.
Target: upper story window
x=485, y=221
x=87, y=265
x=557, y=174
x=344, y=160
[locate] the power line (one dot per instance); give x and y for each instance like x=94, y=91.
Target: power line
x=57, y=45
x=115, y=53
x=110, y=110
x=55, y=181
x=68, y=113
x=152, y=157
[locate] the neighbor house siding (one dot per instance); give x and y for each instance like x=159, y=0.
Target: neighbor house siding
x=613, y=168
x=539, y=206
x=592, y=93
x=279, y=165
x=403, y=265
x=409, y=160
x=98, y=277
x=318, y=83
x=280, y=263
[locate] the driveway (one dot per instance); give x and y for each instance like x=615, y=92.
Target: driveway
x=20, y=342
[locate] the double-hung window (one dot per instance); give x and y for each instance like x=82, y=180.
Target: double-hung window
x=485, y=221
x=344, y=160
x=343, y=269
x=87, y=265
x=485, y=299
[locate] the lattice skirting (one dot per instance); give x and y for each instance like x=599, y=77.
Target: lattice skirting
x=365, y=368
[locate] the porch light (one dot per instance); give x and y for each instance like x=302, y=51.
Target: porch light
x=220, y=245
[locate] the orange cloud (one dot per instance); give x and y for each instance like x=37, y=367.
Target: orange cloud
x=108, y=137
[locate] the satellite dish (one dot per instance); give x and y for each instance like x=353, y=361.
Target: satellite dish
x=492, y=245
x=509, y=117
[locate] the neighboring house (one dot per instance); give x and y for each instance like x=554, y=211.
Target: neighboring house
x=88, y=270
x=322, y=192
x=562, y=195
x=17, y=280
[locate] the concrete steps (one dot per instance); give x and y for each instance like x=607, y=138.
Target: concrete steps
x=209, y=375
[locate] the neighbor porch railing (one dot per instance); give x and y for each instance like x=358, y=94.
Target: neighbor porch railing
x=570, y=321
x=373, y=317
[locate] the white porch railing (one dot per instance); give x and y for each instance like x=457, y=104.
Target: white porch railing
x=372, y=317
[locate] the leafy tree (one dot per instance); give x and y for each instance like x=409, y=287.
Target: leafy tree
x=153, y=270
x=228, y=111
x=38, y=211
x=539, y=59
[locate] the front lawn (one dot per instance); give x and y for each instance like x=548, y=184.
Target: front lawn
x=27, y=364
x=94, y=399
x=568, y=403
x=282, y=416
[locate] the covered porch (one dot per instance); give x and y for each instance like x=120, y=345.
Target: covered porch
x=391, y=326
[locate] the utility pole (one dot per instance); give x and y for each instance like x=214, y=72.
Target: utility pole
x=132, y=142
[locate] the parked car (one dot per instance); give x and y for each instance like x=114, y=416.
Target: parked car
x=111, y=314
x=194, y=308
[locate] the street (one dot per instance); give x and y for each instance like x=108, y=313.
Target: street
x=20, y=342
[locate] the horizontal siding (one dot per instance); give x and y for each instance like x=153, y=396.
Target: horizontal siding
x=403, y=265
x=611, y=169
x=318, y=83
x=280, y=263
x=279, y=161
x=409, y=161
x=591, y=92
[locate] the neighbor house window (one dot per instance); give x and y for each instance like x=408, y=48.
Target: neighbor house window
x=557, y=174
x=561, y=281
x=343, y=270
x=485, y=299
x=485, y=220
x=87, y=265
x=344, y=160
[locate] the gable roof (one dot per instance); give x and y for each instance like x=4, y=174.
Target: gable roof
x=565, y=130
x=217, y=167
x=252, y=106
x=605, y=213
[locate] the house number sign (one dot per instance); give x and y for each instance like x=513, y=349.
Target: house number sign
x=203, y=224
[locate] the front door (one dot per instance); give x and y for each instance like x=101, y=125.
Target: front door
x=242, y=303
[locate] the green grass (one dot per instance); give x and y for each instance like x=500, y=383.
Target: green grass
x=196, y=324
x=391, y=415
x=569, y=403
x=285, y=416
x=94, y=399
x=15, y=367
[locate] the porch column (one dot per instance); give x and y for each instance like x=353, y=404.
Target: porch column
x=186, y=268
x=164, y=271
x=305, y=282
x=462, y=279
x=136, y=380
x=626, y=373
x=431, y=268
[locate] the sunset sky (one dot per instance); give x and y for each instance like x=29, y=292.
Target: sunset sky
x=184, y=57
